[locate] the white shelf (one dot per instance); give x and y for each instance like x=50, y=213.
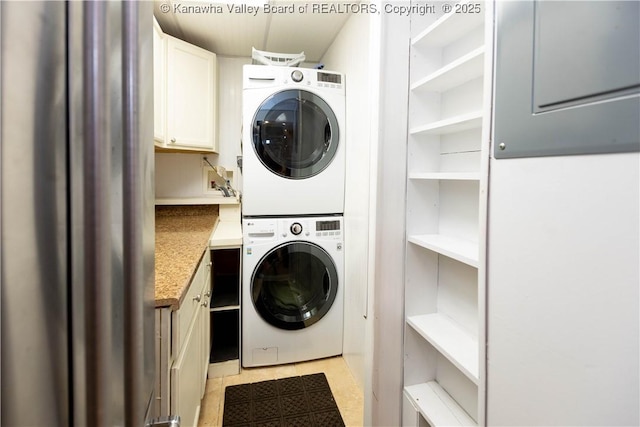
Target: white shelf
x=448, y=28
x=446, y=176
x=436, y=406
x=461, y=250
x=451, y=125
x=462, y=70
x=450, y=340
x=226, y=308
x=206, y=200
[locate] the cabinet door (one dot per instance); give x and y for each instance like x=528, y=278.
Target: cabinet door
x=567, y=78
x=206, y=324
x=186, y=376
x=192, y=303
x=191, y=78
x=159, y=83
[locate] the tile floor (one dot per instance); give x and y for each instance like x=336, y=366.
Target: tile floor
x=348, y=395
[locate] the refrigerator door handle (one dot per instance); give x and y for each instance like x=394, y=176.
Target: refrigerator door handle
x=96, y=239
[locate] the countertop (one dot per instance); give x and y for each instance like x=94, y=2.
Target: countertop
x=182, y=235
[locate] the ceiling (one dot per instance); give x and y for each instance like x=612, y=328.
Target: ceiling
x=233, y=27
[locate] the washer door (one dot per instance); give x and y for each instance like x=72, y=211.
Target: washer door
x=294, y=285
x=295, y=134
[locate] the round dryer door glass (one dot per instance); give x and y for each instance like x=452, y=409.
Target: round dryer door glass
x=295, y=134
x=294, y=285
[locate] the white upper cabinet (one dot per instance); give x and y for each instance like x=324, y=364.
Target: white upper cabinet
x=185, y=82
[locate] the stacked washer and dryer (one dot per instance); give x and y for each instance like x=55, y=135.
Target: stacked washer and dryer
x=293, y=202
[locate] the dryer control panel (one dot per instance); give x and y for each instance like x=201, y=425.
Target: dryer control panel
x=264, y=76
x=329, y=77
x=329, y=80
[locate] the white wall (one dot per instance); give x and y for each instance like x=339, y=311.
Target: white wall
x=230, y=112
x=349, y=54
x=389, y=264
x=180, y=175
x=563, y=291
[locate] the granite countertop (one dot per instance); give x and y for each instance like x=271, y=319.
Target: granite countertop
x=182, y=235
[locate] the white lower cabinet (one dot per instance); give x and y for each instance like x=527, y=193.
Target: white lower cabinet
x=183, y=342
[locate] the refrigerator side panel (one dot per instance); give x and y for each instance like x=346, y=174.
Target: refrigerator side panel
x=34, y=271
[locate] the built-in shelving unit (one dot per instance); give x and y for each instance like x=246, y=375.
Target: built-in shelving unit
x=224, y=310
x=446, y=209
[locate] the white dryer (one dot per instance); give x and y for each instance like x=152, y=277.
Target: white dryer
x=292, y=289
x=293, y=141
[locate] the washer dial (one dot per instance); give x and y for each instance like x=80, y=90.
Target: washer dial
x=296, y=228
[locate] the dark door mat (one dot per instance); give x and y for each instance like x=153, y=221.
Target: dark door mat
x=304, y=401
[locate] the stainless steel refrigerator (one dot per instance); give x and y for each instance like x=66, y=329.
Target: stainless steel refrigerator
x=77, y=213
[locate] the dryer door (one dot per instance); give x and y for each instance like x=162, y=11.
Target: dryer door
x=294, y=285
x=295, y=134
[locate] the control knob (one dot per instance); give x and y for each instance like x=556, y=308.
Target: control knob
x=297, y=76
x=296, y=228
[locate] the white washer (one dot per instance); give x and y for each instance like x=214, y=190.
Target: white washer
x=292, y=289
x=293, y=141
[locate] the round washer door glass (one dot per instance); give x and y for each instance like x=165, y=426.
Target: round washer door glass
x=294, y=285
x=295, y=134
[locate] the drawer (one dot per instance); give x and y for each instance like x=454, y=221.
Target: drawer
x=194, y=297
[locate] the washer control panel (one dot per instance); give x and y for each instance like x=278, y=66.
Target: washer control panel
x=325, y=228
x=258, y=231
x=328, y=228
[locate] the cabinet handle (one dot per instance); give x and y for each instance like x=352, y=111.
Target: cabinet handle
x=197, y=298
x=207, y=294
x=173, y=140
x=206, y=303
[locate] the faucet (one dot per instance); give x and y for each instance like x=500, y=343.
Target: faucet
x=221, y=183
